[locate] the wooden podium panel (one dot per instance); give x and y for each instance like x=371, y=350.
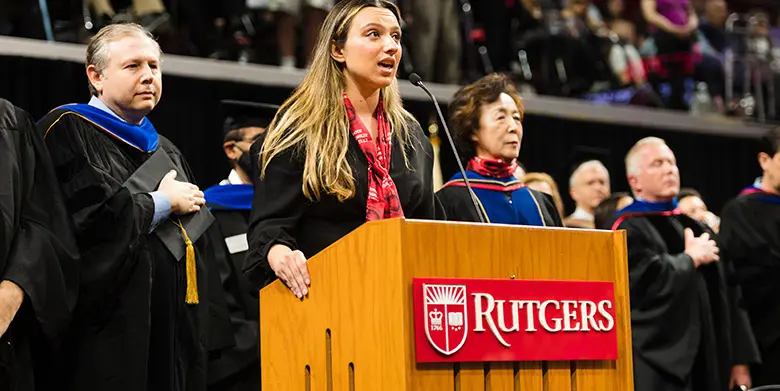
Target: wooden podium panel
x=352, y=315
x=355, y=330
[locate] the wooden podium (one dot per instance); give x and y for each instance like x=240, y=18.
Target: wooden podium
x=355, y=331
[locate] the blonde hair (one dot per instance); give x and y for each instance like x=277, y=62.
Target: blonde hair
x=97, y=50
x=632, y=161
x=532, y=177
x=313, y=120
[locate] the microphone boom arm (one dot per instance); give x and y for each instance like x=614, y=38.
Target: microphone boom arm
x=417, y=81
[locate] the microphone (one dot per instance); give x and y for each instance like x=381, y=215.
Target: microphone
x=417, y=81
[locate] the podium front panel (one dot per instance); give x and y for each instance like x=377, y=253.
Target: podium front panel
x=355, y=331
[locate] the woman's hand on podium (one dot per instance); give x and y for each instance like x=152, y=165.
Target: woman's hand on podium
x=290, y=267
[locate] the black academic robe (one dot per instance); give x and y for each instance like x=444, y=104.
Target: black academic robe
x=750, y=237
x=132, y=329
x=37, y=252
x=687, y=327
x=502, y=201
x=235, y=367
x=282, y=215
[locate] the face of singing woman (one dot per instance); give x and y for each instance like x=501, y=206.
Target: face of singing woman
x=500, y=130
x=372, y=51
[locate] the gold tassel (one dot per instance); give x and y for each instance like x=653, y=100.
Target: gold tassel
x=192, y=273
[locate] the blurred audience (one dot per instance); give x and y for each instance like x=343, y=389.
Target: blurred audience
x=21, y=18
x=624, y=58
x=613, y=13
x=712, y=29
x=149, y=13
x=712, y=42
x=673, y=26
x=603, y=51
x=434, y=32
x=288, y=16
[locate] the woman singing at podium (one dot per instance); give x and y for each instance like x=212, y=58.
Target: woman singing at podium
x=341, y=150
x=486, y=119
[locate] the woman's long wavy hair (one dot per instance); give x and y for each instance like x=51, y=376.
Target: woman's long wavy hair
x=314, y=121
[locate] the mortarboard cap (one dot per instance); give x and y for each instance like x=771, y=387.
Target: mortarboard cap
x=242, y=114
x=581, y=154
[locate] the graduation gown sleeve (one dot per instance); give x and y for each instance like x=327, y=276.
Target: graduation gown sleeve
x=440, y=212
x=37, y=252
x=457, y=205
x=110, y=222
x=278, y=205
x=744, y=345
x=732, y=241
x=752, y=260
x=220, y=332
x=653, y=273
x=281, y=214
x=664, y=287
x=15, y=172
x=241, y=351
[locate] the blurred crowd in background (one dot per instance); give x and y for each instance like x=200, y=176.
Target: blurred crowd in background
x=702, y=56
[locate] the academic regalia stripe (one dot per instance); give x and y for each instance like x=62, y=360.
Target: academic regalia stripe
x=760, y=195
x=229, y=197
x=521, y=208
x=641, y=208
x=486, y=185
x=626, y=216
x=142, y=137
x=750, y=190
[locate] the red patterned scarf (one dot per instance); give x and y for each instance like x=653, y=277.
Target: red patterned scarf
x=492, y=168
x=382, y=199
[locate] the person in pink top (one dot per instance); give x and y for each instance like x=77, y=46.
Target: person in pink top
x=673, y=25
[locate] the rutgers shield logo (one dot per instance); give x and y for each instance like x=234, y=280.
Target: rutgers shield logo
x=445, y=316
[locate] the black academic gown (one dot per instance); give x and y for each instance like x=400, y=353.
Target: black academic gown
x=282, y=215
x=750, y=237
x=37, y=252
x=236, y=367
x=132, y=329
x=687, y=327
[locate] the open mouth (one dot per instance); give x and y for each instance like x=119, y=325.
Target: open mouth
x=387, y=64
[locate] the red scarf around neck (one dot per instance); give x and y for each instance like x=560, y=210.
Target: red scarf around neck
x=492, y=168
x=383, y=201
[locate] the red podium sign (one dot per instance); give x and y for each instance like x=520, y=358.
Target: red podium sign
x=468, y=320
